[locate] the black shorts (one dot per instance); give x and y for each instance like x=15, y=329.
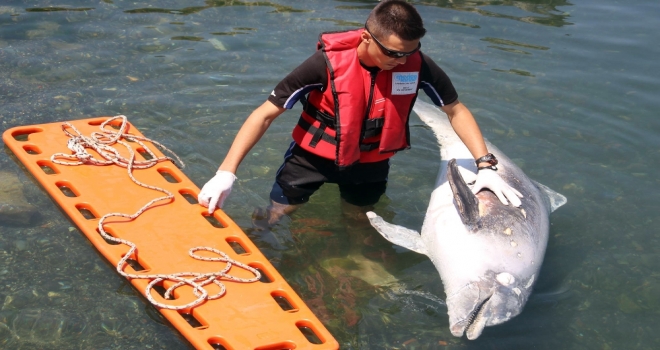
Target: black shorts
x=303, y=173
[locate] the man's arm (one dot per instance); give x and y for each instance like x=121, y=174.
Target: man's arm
x=466, y=128
x=216, y=190
x=310, y=74
x=250, y=133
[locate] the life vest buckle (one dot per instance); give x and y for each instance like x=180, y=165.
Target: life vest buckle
x=372, y=127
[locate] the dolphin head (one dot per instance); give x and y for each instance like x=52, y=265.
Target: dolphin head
x=494, y=299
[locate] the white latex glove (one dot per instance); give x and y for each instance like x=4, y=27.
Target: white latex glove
x=487, y=178
x=216, y=190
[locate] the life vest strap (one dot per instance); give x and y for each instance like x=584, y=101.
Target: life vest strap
x=370, y=128
x=320, y=134
x=311, y=110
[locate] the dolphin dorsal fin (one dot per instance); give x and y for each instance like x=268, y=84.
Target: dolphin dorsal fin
x=398, y=235
x=556, y=199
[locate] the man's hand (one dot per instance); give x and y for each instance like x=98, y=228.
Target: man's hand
x=487, y=178
x=216, y=190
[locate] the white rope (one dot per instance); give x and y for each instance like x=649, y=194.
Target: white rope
x=102, y=142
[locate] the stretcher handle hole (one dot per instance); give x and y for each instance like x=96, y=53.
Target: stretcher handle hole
x=169, y=177
x=23, y=135
x=218, y=344
x=283, y=301
x=160, y=289
x=279, y=346
x=86, y=211
x=47, y=167
x=67, y=189
x=141, y=151
x=265, y=278
x=192, y=321
x=189, y=196
x=105, y=239
x=237, y=246
x=31, y=149
x=213, y=221
x=137, y=267
x=115, y=124
x=308, y=331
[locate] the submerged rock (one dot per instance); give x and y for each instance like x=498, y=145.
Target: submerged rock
x=41, y=328
x=14, y=207
x=627, y=305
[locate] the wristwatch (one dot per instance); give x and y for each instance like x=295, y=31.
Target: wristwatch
x=488, y=158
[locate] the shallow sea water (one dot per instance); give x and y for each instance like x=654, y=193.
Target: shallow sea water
x=569, y=90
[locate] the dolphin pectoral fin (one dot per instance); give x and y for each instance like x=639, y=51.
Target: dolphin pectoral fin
x=466, y=202
x=398, y=235
x=556, y=199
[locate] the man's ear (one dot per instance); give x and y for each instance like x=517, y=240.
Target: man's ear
x=365, y=37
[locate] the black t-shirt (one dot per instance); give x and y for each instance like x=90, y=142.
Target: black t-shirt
x=312, y=74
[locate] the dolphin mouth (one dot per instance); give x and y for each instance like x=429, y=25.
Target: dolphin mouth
x=477, y=321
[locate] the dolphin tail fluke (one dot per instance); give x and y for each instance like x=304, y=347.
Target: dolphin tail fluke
x=398, y=235
x=556, y=199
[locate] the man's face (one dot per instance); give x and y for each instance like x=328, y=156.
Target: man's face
x=387, y=53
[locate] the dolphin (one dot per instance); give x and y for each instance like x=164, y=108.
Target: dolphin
x=488, y=254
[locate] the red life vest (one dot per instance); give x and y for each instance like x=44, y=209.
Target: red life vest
x=361, y=117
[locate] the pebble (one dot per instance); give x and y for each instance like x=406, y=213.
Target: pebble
x=20, y=244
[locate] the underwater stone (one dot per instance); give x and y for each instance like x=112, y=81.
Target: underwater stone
x=14, y=208
x=627, y=305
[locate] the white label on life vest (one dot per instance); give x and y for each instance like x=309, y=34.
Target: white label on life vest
x=404, y=83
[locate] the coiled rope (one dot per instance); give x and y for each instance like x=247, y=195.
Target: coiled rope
x=102, y=142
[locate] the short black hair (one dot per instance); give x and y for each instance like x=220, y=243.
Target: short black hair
x=396, y=17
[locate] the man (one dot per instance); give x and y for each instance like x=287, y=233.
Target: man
x=361, y=87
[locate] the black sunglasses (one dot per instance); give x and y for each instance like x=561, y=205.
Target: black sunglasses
x=392, y=53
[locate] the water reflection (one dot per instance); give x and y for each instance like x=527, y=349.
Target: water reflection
x=236, y=31
x=339, y=22
x=474, y=26
x=56, y=9
x=514, y=43
x=547, y=9
x=215, y=3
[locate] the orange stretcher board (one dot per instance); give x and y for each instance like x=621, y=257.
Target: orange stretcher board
x=264, y=315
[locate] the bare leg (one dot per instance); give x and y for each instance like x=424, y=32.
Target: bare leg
x=263, y=220
x=277, y=210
